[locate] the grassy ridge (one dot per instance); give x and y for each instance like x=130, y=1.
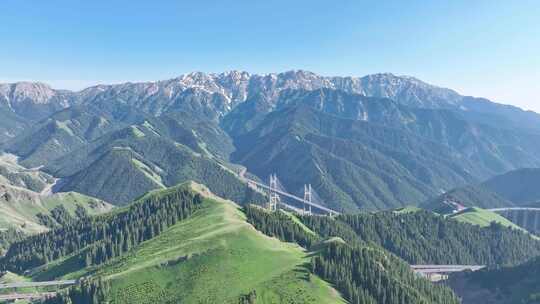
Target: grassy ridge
x=20, y=210
x=482, y=218
x=214, y=256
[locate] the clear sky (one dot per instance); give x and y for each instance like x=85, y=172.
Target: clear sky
x=483, y=48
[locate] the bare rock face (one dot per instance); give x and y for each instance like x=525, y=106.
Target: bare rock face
x=217, y=94
x=33, y=100
x=232, y=88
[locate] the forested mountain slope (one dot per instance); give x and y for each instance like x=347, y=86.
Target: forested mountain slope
x=184, y=243
x=425, y=238
x=512, y=285
x=374, y=142
x=125, y=164
x=352, y=164
x=363, y=273
x=518, y=186
x=512, y=189
x=67, y=130
x=467, y=196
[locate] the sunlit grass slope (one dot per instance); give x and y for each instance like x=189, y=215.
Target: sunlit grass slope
x=482, y=217
x=21, y=209
x=214, y=256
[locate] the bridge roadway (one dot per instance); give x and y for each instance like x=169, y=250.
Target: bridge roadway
x=320, y=207
x=513, y=208
x=432, y=269
x=37, y=284
x=26, y=296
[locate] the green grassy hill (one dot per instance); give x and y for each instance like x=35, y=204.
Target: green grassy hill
x=186, y=245
x=19, y=208
x=214, y=256
x=482, y=218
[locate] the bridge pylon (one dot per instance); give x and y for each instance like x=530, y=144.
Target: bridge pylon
x=274, y=199
x=535, y=225
x=307, y=197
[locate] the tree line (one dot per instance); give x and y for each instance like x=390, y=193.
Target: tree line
x=367, y=275
x=85, y=292
x=9, y=236
x=59, y=216
x=106, y=236
x=279, y=225
x=363, y=274
x=426, y=238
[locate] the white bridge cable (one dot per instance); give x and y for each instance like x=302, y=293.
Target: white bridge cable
x=315, y=198
x=286, y=194
x=280, y=186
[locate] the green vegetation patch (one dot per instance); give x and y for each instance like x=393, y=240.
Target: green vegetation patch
x=482, y=218
x=213, y=249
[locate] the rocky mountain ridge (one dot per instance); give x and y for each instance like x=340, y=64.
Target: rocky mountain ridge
x=237, y=86
x=399, y=139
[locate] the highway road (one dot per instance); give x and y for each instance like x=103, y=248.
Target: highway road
x=37, y=284
x=431, y=269
x=26, y=296
x=514, y=208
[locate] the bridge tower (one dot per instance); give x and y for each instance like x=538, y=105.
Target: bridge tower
x=515, y=214
x=307, y=197
x=534, y=222
x=536, y=229
x=274, y=199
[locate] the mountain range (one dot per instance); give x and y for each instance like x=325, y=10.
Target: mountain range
x=374, y=142
x=516, y=188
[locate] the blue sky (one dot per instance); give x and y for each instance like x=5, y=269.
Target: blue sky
x=480, y=48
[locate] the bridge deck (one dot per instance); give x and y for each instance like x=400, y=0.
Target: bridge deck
x=26, y=296
x=514, y=208
x=37, y=284
x=432, y=269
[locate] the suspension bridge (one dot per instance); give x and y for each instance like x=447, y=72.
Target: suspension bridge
x=278, y=197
